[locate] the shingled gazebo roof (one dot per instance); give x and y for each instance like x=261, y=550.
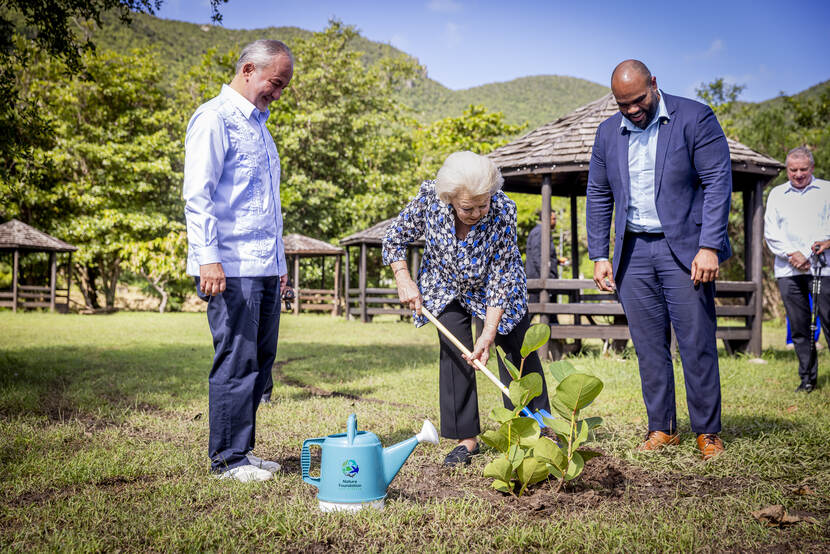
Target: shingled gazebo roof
x=374, y=235
x=16, y=235
x=307, y=246
x=563, y=147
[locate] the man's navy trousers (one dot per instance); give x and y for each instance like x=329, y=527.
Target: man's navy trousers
x=656, y=291
x=244, y=321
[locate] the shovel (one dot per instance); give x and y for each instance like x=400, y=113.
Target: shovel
x=481, y=367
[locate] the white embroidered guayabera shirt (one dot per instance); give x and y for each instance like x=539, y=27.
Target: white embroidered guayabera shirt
x=232, y=189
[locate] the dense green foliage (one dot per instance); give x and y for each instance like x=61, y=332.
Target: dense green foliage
x=531, y=101
x=60, y=28
x=111, y=174
x=109, y=178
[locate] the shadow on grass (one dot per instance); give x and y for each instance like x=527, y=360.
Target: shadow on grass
x=68, y=381
x=757, y=426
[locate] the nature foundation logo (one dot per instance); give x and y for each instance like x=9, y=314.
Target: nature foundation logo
x=350, y=468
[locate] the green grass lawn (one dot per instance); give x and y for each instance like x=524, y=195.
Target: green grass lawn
x=103, y=446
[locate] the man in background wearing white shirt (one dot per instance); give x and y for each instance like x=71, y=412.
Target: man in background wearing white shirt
x=796, y=226
x=235, y=248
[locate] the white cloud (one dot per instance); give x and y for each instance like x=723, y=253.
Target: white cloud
x=452, y=34
x=715, y=47
x=444, y=6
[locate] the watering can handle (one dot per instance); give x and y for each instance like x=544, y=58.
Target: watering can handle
x=305, y=461
x=351, y=429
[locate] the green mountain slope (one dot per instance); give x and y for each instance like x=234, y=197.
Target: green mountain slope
x=536, y=100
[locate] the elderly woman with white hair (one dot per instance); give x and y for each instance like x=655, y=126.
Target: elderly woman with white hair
x=471, y=267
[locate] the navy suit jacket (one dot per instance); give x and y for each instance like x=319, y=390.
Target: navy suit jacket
x=692, y=183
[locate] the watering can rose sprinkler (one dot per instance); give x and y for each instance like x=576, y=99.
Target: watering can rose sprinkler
x=355, y=469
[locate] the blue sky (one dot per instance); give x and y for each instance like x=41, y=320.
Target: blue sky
x=769, y=46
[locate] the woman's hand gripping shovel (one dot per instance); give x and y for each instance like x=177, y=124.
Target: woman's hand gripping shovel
x=481, y=367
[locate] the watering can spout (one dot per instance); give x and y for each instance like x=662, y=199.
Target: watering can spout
x=428, y=433
x=395, y=455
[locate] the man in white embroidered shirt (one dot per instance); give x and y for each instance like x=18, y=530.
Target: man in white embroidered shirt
x=235, y=248
x=796, y=226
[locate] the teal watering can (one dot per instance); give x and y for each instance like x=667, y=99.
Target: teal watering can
x=355, y=469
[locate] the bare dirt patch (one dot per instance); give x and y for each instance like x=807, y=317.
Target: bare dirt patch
x=605, y=480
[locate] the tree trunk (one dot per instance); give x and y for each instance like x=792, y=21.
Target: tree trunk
x=163, y=305
x=159, y=285
x=111, y=282
x=86, y=282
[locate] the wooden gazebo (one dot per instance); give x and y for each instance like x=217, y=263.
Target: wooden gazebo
x=19, y=238
x=320, y=299
x=364, y=301
x=554, y=160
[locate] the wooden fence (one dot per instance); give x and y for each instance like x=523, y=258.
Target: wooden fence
x=599, y=315
x=30, y=296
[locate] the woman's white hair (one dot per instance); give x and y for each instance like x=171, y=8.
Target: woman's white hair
x=469, y=173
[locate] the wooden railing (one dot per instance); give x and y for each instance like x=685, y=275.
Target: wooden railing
x=599, y=315
x=377, y=301
x=316, y=300
x=31, y=296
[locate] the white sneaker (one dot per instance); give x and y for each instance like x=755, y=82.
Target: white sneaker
x=246, y=474
x=264, y=464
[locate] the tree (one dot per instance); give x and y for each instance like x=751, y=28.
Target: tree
x=111, y=173
x=55, y=29
x=721, y=97
x=160, y=261
x=344, y=142
x=476, y=130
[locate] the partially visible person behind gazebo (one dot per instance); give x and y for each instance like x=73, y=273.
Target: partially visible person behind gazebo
x=471, y=267
x=533, y=256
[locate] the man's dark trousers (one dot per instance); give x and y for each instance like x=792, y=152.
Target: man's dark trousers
x=244, y=321
x=655, y=290
x=794, y=293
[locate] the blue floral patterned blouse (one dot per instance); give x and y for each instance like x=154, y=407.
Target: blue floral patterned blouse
x=483, y=269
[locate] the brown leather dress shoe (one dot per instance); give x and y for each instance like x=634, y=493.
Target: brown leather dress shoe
x=658, y=439
x=709, y=445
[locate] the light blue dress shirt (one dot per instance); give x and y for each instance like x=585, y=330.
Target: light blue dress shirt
x=642, y=153
x=232, y=189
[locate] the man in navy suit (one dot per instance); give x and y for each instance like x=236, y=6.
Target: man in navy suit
x=663, y=161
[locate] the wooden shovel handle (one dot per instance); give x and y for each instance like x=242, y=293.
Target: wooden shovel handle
x=464, y=350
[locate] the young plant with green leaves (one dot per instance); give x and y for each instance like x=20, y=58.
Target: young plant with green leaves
x=574, y=392
x=527, y=457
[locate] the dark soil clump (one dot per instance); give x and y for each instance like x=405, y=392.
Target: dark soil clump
x=604, y=480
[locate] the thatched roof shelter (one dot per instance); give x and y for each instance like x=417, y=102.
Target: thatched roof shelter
x=553, y=160
x=321, y=299
x=373, y=235
x=382, y=300
x=296, y=244
x=17, y=237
